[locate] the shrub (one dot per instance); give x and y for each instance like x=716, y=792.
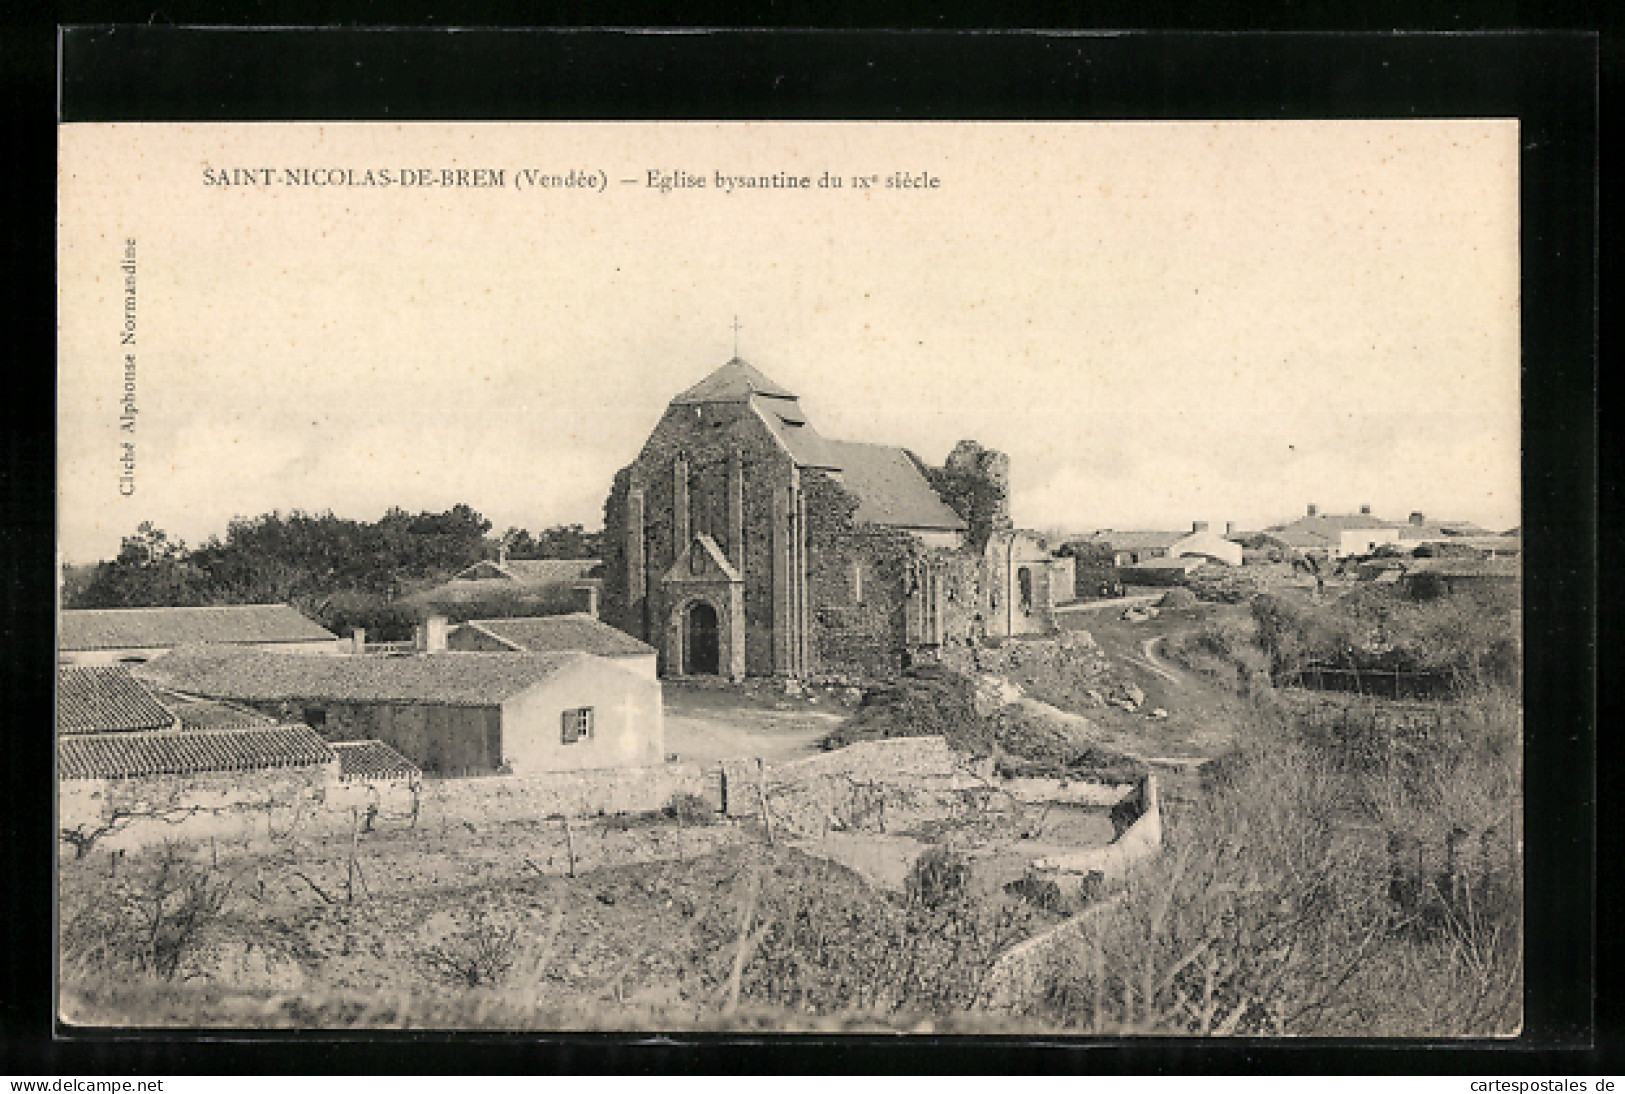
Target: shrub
x=690, y=809
x=479, y=955
x=161, y=918
x=937, y=877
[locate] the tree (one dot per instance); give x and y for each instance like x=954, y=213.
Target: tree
x=151, y=569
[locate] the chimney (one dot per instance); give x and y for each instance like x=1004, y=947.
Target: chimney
x=1417, y=519
x=1198, y=526
x=358, y=640
x=1365, y=510
x=1313, y=510
x=1229, y=527
x=434, y=634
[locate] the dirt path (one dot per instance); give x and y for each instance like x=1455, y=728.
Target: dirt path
x=1156, y=664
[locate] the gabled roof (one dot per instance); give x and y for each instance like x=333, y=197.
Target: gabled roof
x=455, y=679
x=1325, y=529
x=106, y=699
x=886, y=480
x=1135, y=541
x=732, y=383
x=196, y=712
x=890, y=488
x=165, y=628
x=1440, y=529
x=562, y=633
x=713, y=563
x=372, y=760
x=530, y=571
x=790, y=428
x=130, y=755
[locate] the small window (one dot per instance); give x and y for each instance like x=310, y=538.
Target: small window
x=1024, y=581
x=315, y=717
x=857, y=583
x=577, y=725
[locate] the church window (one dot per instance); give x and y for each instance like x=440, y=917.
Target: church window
x=1024, y=582
x=857, y=583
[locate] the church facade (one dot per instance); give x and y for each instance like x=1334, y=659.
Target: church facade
x=743, y=542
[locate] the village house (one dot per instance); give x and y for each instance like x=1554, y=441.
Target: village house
x=1208, y=545
x=577, y=631
x=1335, y=536
x=132, y=635
x=138, y=764
x=449, y=713
x=742, y=541
x=569, y=583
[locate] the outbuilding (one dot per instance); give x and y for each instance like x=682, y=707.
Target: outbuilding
x=113, y=636
x=450, y=713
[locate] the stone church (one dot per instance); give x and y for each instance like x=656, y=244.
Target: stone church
x=743, y=542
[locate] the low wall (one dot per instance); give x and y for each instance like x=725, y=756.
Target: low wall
x=257, y=807
x=1139, y=839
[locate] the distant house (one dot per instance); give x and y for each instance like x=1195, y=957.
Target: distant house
x=1130, y=548
x=449, y=713
x=1162, y=571
x=571, y=582
x=1419, y=529
x=1201, y=543
x=1335, y=535
x=577, y=632
x=133, y=635
x=1432, y=576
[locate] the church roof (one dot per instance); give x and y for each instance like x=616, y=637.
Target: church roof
x=890, y=488
x=732, y=383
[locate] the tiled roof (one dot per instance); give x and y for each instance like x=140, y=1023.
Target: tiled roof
x=532, y=571
x=166, y=628
x=1325, y=529
x=562, y=633
x=1136, y=541
x=457, y=679
x=372, y=760
x=128, y=755
x=733, y=382
x=106, y=699
x=890, y=488
x=196, y=712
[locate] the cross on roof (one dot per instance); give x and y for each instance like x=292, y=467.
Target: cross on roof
x=736, y=335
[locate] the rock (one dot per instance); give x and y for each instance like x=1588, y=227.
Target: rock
x=1159, y=713
x=1133, y=694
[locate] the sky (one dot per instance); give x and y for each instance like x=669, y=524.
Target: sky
x=1158, y=322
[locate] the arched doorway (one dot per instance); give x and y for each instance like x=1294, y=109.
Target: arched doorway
x=701, y=650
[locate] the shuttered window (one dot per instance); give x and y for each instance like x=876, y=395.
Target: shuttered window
x=577, y=725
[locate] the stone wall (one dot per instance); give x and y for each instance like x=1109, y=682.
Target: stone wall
x=857, y=578
x=259, y=807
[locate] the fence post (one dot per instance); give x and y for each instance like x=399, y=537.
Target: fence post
x=761, y=788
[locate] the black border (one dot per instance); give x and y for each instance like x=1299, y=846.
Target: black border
x=1548, y=81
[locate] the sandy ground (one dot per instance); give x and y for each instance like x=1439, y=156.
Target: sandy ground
x=704, y=726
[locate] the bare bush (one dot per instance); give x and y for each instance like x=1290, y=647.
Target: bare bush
x=160, y=918
x=481, y=954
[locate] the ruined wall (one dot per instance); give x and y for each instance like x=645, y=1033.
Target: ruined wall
x=858, y=578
